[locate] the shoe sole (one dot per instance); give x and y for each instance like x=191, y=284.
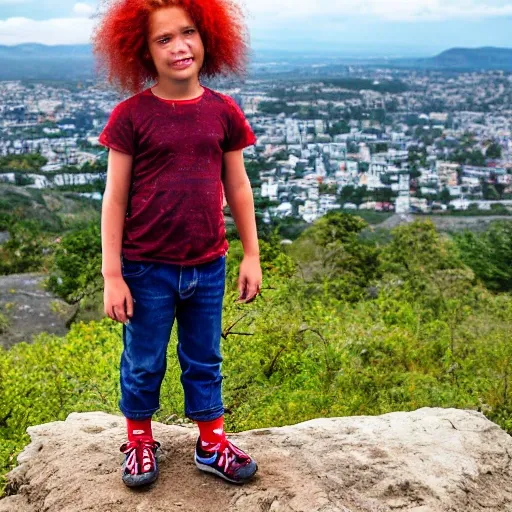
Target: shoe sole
x=142, y=480
x=213, y=471
x=136, y=481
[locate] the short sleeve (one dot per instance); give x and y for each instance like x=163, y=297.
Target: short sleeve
x=118, y=133
x=239, y=133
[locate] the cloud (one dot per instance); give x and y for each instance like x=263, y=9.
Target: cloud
x=309, y=19
x=82, y=9
x=54, y=31
x=389, y=10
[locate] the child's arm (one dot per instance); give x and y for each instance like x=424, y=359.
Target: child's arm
x=118, y=301
x=237, y=188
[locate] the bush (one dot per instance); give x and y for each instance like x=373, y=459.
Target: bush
x=26, y=250
x=76, y=272
x=430, y=336
x=489, y=254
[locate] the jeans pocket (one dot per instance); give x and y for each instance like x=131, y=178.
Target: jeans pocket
x=135, y=268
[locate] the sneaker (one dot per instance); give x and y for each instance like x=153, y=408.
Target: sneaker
x=140, y=466
x=227, y=461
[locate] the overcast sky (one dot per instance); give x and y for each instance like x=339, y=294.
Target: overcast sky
x=394, y=27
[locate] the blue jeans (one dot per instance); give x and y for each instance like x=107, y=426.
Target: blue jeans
x=162, y=292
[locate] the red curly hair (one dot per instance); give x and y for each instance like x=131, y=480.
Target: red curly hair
x=120, y=39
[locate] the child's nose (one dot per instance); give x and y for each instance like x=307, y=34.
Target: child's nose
x=178, y=45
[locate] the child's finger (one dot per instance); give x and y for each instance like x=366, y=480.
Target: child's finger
x=129, y=306
x=242, y=288
x=118, y=313
x=252, y=291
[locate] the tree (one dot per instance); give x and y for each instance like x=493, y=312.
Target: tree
x=338, y=128
x=333, y=256
x=489, y=254
x=445, y=196
x=489, y=192
x=493, y=151
x=500, y=188
x=360, y=195
x=384, y=195
x=77, y=269
x=414, y=172
x=346, y=193
x=477, y=158
x=335, y=227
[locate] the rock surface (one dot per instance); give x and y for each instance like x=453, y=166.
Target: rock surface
x=30, y=309
x=428, y=460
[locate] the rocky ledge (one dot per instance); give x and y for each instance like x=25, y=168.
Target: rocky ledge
x=428, y=460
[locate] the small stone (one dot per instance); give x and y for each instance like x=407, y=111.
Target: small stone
x=397, y=503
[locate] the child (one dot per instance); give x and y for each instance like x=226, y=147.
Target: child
x=174, y=149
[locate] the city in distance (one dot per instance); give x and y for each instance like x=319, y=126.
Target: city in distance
x=335, y=132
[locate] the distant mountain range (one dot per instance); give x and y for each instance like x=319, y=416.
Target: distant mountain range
x=74, y=62
x=41, y=62
x=487, y=58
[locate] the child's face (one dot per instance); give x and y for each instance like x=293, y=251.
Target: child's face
x=175, y=44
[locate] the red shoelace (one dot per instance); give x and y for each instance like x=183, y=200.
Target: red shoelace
x=231, y=457
x=141, y=456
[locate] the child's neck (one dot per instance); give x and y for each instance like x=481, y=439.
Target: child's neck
x=177, y=90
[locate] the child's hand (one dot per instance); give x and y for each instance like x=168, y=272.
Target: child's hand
x=117, y=300
x=249, y=280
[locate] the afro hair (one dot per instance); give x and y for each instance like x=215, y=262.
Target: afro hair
x=120, y=39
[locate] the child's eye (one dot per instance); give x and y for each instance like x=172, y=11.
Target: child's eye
x=164, y=40
x=190, y=31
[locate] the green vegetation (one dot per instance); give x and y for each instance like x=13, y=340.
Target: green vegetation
x=345, y=325
x=26, y=163
x=26, y=250
x=489, y=254
x=32, y=220
x=474, y=211
x=494, y=150
x=77, y=259
x=53, y=211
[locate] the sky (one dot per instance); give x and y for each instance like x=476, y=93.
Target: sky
x=346, y=27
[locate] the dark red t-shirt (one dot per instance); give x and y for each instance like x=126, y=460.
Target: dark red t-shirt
x=174, y=212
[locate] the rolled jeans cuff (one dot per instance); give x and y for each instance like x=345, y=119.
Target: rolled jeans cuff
x=137, y=415
x=207, y=415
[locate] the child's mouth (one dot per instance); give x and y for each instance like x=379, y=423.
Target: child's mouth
x=181, y=64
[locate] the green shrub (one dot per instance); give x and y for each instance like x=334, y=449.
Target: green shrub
x=76, y=271
x=430, y=336
x=489, y=254
x=26, y=250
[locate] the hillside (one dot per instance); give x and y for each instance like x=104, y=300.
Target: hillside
x=33, y=61
x=474, y=58
x=27, y=309
x=346, y=325
x=464, y=59
x=54, y=210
